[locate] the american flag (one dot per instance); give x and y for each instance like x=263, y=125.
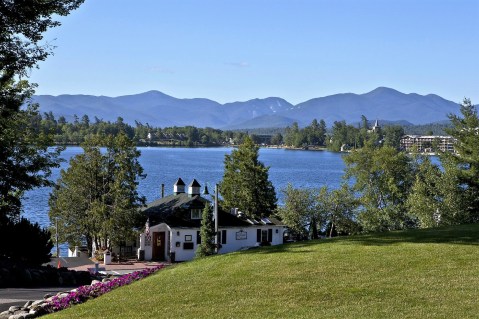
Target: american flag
x=147, y=230
x=147, y=227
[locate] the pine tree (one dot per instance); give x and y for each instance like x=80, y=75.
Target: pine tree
x=207, y=233
x=96, y=198
x=464, y=164
x=245, y=183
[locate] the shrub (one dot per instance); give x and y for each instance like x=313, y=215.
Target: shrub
x=25, y=242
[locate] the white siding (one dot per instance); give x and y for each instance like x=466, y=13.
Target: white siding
x=178, y=235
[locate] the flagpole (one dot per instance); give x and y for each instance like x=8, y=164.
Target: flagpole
x=216, y=217
x=56, y=237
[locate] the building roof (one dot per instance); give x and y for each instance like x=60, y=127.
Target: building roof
x=175, y=211
x=179, y=182
x=194, y=183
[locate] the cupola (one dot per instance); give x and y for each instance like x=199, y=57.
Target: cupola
x=194, y=188
x=179, y=187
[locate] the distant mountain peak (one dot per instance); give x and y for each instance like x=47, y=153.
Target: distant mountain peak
x=161, y=110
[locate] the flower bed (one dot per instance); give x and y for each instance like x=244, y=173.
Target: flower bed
x=83, y=293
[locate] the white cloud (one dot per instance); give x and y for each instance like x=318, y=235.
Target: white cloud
x=242, y=64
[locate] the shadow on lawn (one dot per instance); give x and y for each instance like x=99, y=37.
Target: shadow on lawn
x=459, y=235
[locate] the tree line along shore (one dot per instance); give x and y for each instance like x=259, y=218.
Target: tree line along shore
x=314, y=136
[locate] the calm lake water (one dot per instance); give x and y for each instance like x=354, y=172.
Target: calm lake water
x=309, y=169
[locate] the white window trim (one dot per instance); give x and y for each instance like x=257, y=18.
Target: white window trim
x=196, y=210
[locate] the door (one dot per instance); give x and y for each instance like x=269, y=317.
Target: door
x=159, y=246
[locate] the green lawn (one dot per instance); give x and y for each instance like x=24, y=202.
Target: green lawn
x=413, y=274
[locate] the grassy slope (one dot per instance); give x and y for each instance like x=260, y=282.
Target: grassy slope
x=414, y=274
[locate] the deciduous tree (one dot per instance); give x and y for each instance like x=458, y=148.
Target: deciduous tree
x=382, y=178
x=299, y=212
x=338, y=210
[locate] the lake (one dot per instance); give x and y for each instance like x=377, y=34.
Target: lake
x=305, y=169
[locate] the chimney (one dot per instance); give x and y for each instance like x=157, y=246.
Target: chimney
x=162, y=190
x=194, y=188
x=179, y=187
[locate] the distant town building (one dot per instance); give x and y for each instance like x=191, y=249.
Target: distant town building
x=426, y=143
x=376, y=128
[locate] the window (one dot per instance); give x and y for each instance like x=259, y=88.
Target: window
x=196, y=213
x=264, y=235
x=187, y=246
x=222, y=237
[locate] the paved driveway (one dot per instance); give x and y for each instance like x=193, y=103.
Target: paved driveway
x=19, y=296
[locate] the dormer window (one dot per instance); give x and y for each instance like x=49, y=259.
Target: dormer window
x=196, y=213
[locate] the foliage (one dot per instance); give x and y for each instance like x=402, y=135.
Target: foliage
x=30, y=245
x=207, y=233
x=427, y=129
x=424, y=201
x=428, y=273
x=299, y=212
x=306, y=211
x=25, y=161
x=343, y=134
x=78, y=131
x=382, y=178
x=312, y=135
x=23, y=25
x=96, y=199
x=464, y=164
x=245, y=183
x=392, y=135
x=338, y=210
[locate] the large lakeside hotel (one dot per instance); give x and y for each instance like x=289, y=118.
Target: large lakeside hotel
x=425, y=143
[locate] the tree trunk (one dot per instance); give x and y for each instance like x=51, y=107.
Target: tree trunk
x=331, y=230
x=314, y=228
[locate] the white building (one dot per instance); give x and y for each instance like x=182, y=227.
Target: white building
x=425, y=143
x=173, y=232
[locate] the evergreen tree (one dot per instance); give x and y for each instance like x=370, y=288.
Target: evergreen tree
x=464, y=164
x=245, y=183
x=207, y=233
x=96, y=199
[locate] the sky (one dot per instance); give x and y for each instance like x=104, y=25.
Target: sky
x=231, y=50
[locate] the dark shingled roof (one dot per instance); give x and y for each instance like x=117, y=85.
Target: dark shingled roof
x=175, y=211
x=194, y=183
x=180, y=182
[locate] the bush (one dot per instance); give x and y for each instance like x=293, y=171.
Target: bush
x=25, y=242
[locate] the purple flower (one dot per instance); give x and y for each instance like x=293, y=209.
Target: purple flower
x=84, y=293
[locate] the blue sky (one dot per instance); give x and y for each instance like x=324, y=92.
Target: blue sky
x=238, y=50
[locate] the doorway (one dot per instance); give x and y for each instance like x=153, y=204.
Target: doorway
x=159, y=245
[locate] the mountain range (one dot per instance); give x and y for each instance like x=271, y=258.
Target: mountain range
x=161, y=110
